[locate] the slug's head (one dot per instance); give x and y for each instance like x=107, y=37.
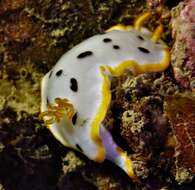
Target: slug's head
x=147, y=52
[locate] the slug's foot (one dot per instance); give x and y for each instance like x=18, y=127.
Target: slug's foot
x=56, y=112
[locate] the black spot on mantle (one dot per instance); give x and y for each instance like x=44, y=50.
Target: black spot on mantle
x=143, y=50
x=47, y=99
x=74, y=119
x=73, y=85
x=140, y=37
x=58, y=73
x=116, y=47
x=84, y=54
x=106, y=40
x=79, y=148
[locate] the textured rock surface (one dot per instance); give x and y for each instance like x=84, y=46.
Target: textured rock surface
x=183, y=56
x=33, y=35
x=183, y=123
x=142, y=125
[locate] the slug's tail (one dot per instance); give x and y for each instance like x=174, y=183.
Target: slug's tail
x=115, y=154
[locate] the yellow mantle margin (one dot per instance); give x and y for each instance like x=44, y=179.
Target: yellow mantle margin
x=106, y=94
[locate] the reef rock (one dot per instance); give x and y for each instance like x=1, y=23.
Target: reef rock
x=180, y=110
x=183, y=52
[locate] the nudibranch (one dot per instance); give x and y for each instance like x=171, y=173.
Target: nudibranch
x=76, y=92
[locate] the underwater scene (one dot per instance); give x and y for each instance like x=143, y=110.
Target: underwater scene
x=97, y=95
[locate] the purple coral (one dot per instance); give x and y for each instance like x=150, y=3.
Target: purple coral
x=188, y=17
x=184, y=33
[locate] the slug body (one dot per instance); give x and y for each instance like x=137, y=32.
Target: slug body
x=76, y=92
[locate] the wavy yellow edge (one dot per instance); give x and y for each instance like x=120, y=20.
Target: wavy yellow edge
x=118, y=71
x=101, y=114
x=120, y=27
x=106, y=94
x=137, y=68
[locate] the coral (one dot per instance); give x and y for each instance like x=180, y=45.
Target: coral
x=25, y=154
x=75, y=180
x=19, y=84
x=180, y=110
x=19, y=28
x=154, y=3
x=138, y=106
x=11, y=5
x=183, y=58
x=142, y=122
x=71, y=162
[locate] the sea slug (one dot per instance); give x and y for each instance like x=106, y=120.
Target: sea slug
x=76, y=92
